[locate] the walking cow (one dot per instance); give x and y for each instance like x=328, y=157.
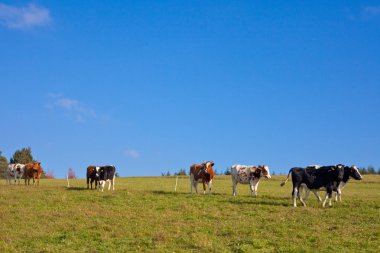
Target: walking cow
x=204, y=173
x=327, y=177
x=348, y=172
x=251, y=175
x=106, y=174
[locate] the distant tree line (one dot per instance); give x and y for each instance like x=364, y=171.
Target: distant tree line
x=23, y=156
x=227, y=171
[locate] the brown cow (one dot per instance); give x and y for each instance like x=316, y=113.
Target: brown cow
x=91, y=174
x=32, y=170
x=201, y=172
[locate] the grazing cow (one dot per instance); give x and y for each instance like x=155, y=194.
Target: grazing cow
x=251, y=175
x=19, y=171
x=201, y=173
x=106, y=174
x=327, y=177
x=9, y=173
x=32, y=170
x=91, y=176
x=348, y=172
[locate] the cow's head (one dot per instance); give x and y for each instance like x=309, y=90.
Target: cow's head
x=265, y=171
x=37, y=166
x=97, y=171
x=208, y=167
x=354, y=173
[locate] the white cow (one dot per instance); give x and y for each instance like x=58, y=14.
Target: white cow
x=9, y=173
x=248, y=174
x=18, y=171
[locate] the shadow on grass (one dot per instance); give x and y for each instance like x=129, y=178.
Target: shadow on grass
x=184, y=193
x=256, y=201
x=78, y=189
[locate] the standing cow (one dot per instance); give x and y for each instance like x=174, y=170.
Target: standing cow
x=19, y=172
x=204, y=173
x=106, y=174
x=327, y=177
x=33, y=170
x=348, y=172
x=251, y=175
x=91, y=176
x=9, y=173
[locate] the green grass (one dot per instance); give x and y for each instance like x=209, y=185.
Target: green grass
x=146, y=215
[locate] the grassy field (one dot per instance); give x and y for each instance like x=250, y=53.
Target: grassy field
x=146, y=215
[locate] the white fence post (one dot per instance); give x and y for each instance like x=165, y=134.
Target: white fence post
x=176, y=182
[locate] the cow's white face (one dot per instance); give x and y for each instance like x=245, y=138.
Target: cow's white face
x=208, y=167
x=97, y=171
x=355, y=173
x=265, y=171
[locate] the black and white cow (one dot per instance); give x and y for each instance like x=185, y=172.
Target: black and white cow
x=348, y=172
x=327, y=177
x=248, y=174
x=106, y=174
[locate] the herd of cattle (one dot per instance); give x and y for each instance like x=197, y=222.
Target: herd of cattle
x=312, y=178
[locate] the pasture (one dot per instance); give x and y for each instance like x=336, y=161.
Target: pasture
x=146, y=215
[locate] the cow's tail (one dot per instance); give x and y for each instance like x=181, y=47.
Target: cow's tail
x=287, y=178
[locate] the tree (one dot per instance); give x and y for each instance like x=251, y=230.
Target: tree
x=181, y=172
x=23, y=156
x=71, y=174
x=371, y=170
x=3, y=165
x=50, y=174
x=227, y=171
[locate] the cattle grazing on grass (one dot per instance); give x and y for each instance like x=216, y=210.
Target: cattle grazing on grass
x=348, y=172
x=106, y=174
x=327, y=177
x=91, y=176
x=9, y=173
x=32, y=170
x=245, y=174
x=19, y=171
x=204, y=173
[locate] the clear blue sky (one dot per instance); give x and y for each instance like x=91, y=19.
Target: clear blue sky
x=152, y=86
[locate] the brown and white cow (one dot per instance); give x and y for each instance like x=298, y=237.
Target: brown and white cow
x=91, y=176
x=248, y=174
x=204, y=173
x=19, y=172
x=9, y=173
x=32, y=170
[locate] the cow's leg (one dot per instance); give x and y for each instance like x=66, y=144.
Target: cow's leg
x=234, y=183
x=255, y=187
x=303, y=202
x=209, y=186
x=295, y=194
x=109, y=184
x=204, y=187
x=196, y=186
x=317, y=196
x=328, y=196
x=307, y=191
x=113, y=183
x=88, y=183
x=191, y=182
